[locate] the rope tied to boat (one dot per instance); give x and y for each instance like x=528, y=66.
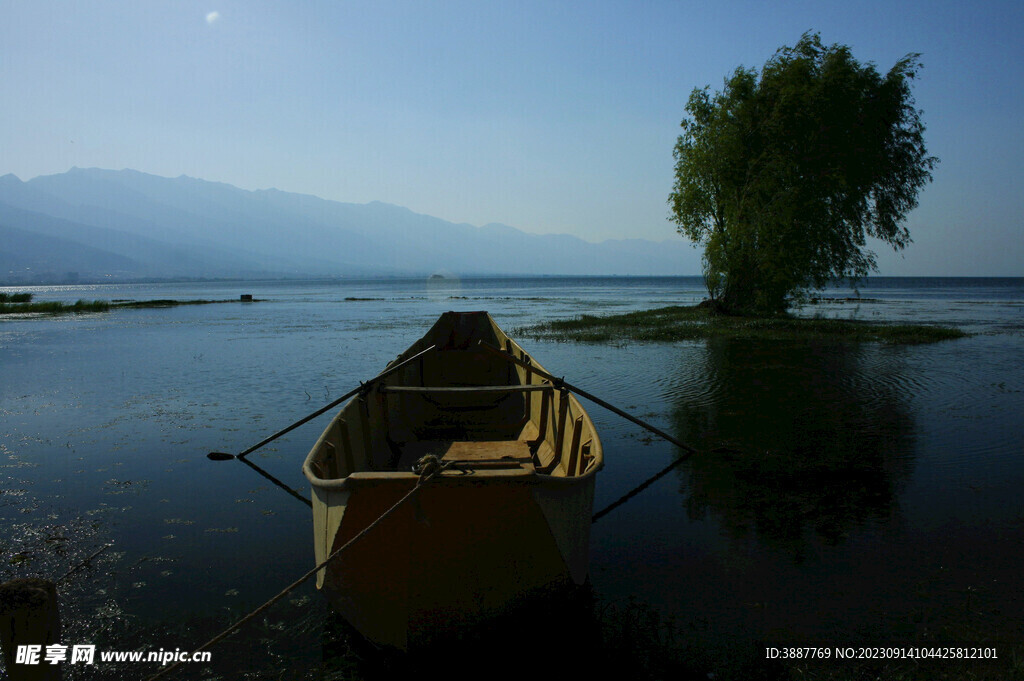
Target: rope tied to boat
x=428, y=466
x=432, y=467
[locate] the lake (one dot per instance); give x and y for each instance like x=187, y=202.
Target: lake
x=845, y=495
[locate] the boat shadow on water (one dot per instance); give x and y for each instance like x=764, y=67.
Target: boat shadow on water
x=566, y=632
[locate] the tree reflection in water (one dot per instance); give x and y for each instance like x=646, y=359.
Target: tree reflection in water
x=823, y=439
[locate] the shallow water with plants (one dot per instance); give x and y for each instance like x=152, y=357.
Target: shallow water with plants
x=845, y=493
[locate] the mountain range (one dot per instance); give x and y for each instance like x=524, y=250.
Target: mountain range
x=90, y=225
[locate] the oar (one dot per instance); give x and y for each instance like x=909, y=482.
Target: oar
x=636, y=490
x=560, y=383
x=647, y=483
x=277, y=482
x=224, y=456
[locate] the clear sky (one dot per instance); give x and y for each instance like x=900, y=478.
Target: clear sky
x=553, y=117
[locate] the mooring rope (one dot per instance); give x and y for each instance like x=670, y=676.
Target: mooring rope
x=428, y=467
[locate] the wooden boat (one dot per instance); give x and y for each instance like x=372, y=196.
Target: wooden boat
x=509, y=518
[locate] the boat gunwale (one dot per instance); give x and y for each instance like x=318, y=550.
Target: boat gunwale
x=371, y=477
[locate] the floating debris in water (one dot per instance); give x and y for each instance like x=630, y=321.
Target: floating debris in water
x=18, y=463
x=110, y=610
x=126, y=483
x=20, y=557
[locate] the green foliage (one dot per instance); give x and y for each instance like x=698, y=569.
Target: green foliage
x=15, y=297
x=784, y=174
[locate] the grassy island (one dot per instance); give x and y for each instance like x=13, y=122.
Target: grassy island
x=678, y=322
x=169, y=303
x=21, y=303
x=53, y=307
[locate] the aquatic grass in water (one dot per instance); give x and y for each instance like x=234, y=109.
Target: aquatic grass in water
x=676, y=323
x=55, y=307
x=172, y=303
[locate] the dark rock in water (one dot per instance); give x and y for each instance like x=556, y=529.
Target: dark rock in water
x=29, y=615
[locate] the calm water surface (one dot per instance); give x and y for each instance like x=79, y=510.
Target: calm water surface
x=868, y=493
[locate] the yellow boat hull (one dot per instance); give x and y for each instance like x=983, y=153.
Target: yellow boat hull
x=509, y=518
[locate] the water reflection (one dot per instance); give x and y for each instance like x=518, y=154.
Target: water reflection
x=823, y=438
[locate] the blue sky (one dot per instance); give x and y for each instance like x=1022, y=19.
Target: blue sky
x=553, y=117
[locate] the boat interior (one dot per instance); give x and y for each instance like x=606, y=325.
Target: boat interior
x=465, y=402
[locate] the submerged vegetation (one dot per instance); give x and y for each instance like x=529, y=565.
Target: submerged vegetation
x=675, y=323
x=21, y=303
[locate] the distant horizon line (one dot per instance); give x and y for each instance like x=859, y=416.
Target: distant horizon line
x=452, y=278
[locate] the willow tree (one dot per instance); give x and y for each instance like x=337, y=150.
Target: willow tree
x=784, y=174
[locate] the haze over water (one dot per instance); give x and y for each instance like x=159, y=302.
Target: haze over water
x=871, y=492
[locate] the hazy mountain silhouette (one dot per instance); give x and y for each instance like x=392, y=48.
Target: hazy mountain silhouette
x=106, y=224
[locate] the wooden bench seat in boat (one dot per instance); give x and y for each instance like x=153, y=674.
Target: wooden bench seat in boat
x=489, y=454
